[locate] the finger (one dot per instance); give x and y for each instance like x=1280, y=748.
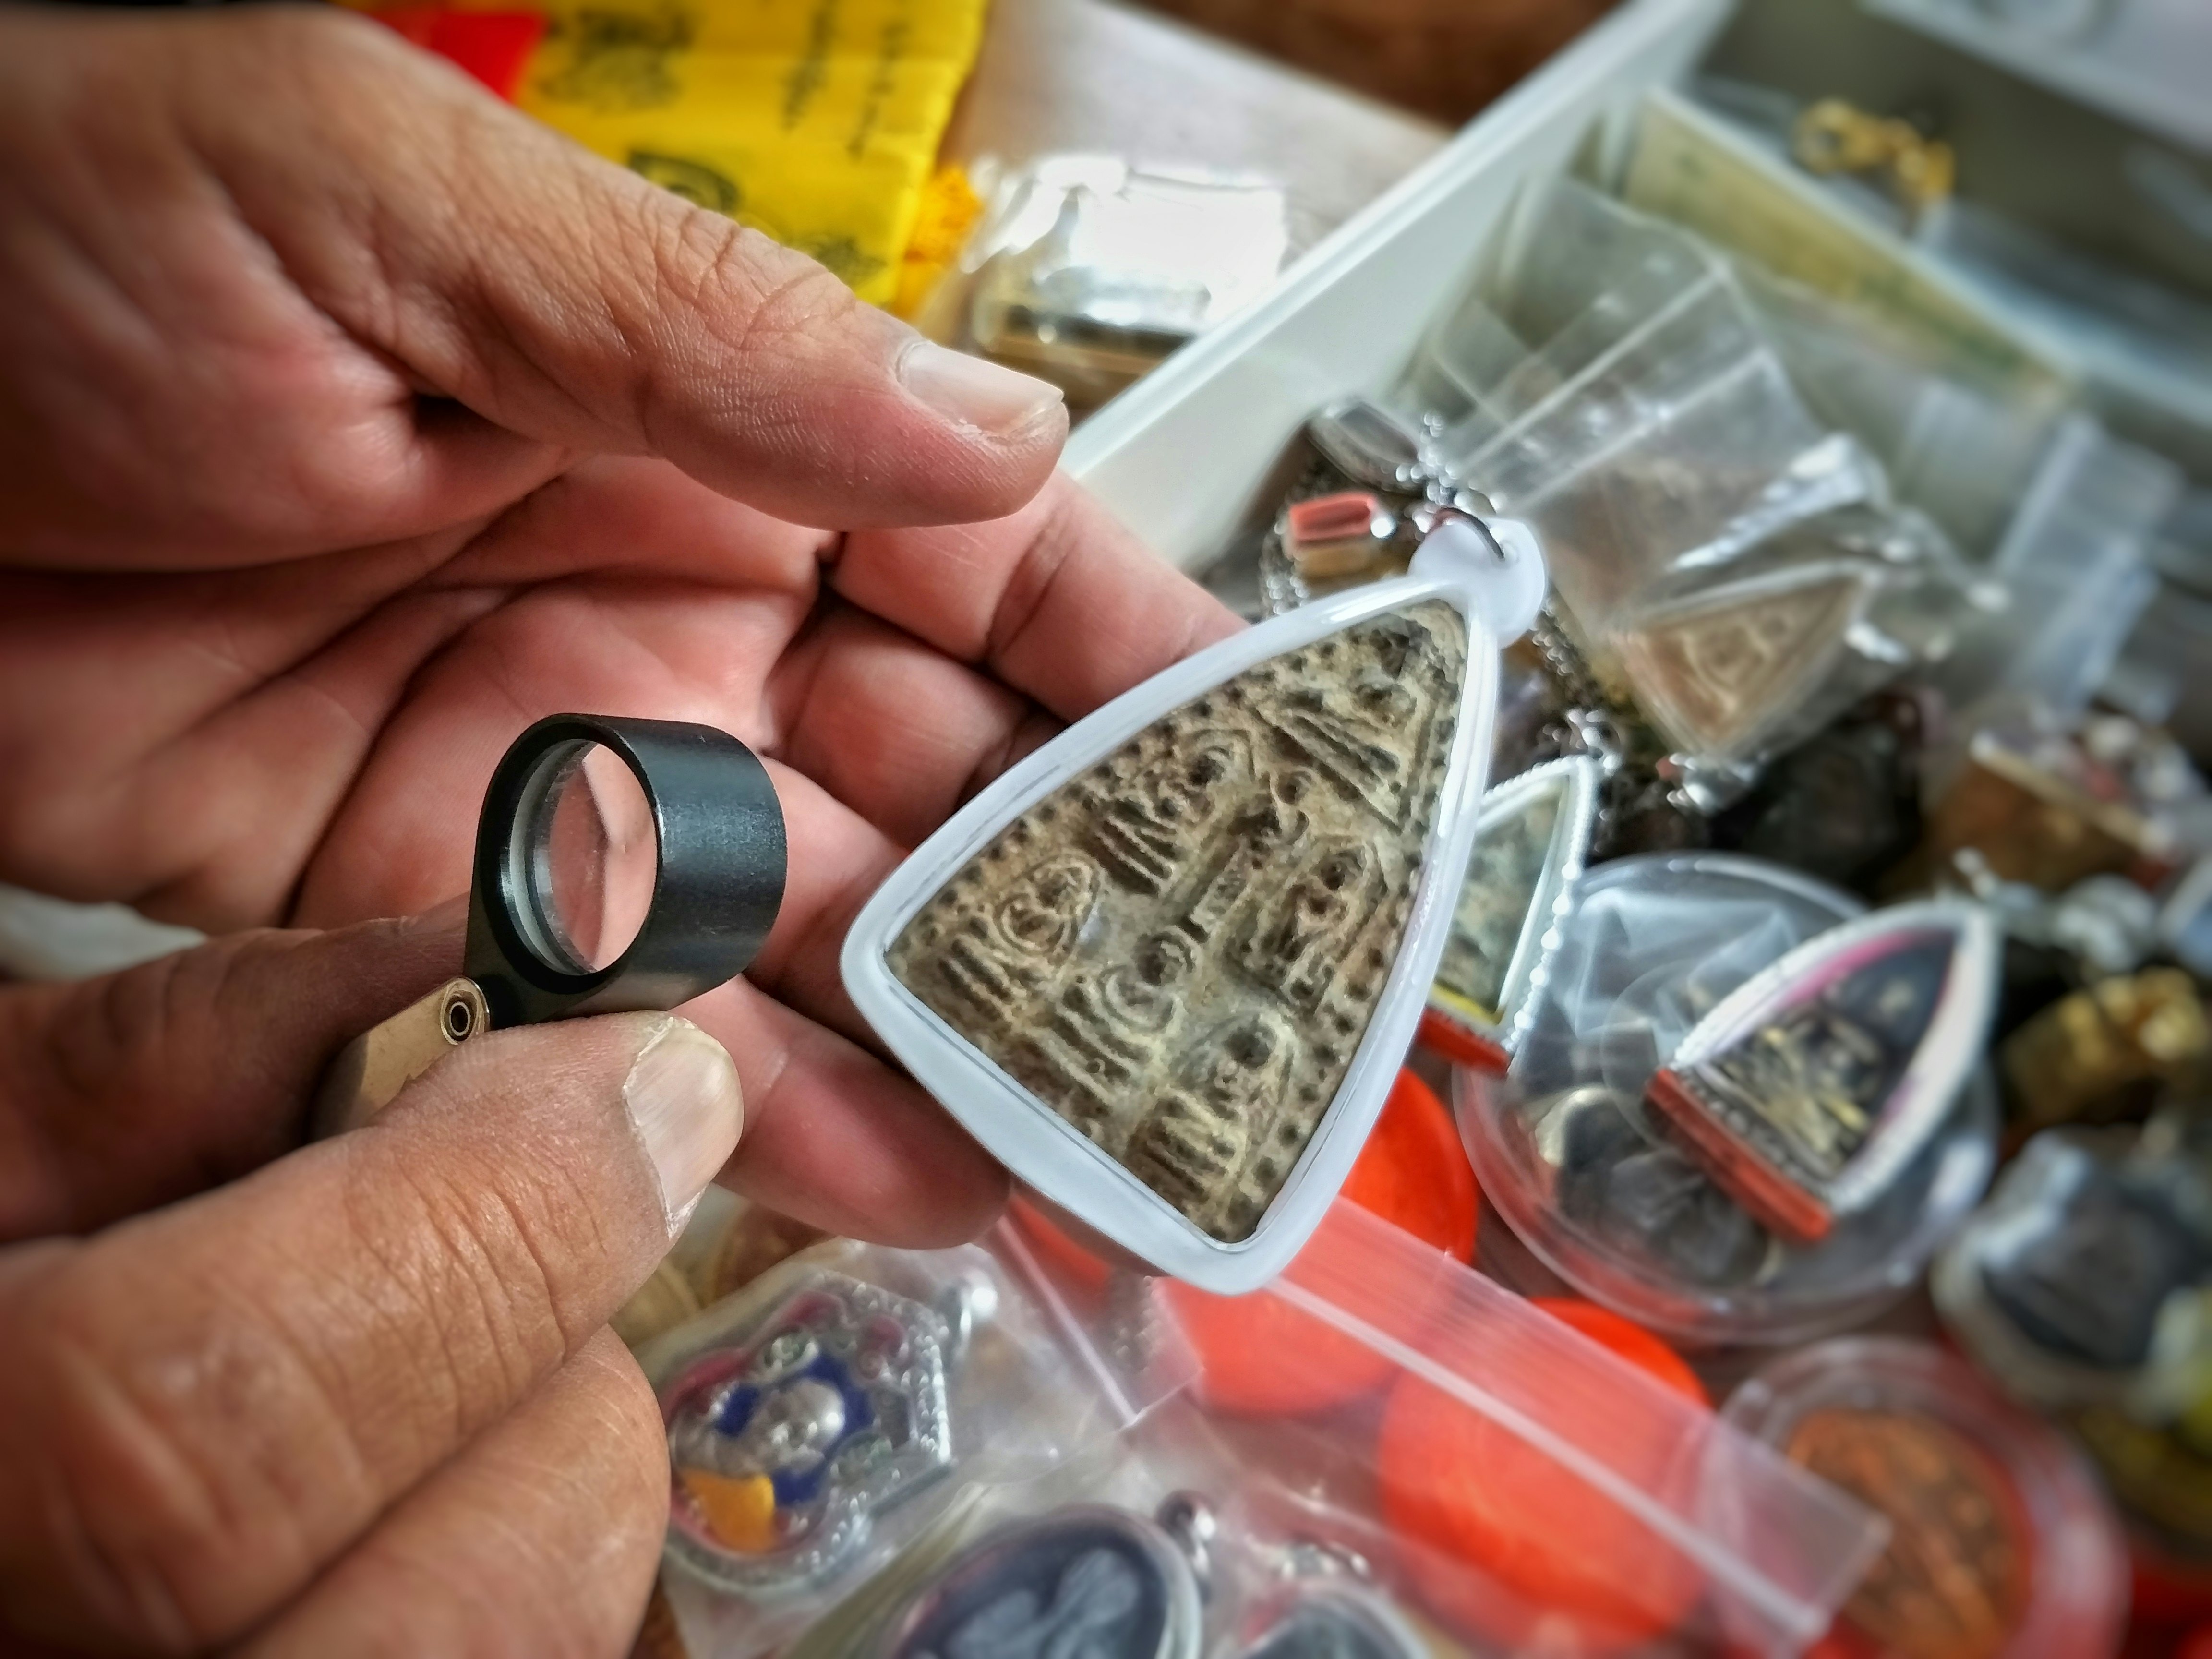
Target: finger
x=893, y=728
x=836, y=1139
x=847, y=859
x=1057, y=599
x=180, y=741
x=541, y=1538
x=568, y=300
x=174, y=400
x=137, y=1089
x=591, y=619
x=204, y=1406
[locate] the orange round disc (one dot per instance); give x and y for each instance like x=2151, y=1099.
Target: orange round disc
x=1475, y=1494
x=1627, y=1338
x=1262, y=1357
x=1414, y=1173
x=1062, y=1256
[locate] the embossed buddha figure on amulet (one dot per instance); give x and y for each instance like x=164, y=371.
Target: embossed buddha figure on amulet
x=1179, y=950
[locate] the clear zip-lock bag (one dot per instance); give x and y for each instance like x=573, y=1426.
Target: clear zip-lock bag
x=842, y=1404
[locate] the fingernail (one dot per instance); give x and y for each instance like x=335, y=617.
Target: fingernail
x=972, y=391
x=683, y=1102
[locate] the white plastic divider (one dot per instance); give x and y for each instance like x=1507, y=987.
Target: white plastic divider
x=1179, y=456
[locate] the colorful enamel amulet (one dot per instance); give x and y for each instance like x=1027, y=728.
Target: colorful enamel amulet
x=1152, y=965
x=1809, y=1087
x=787, y=1438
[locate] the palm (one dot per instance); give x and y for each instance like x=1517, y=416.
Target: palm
x=308, y=741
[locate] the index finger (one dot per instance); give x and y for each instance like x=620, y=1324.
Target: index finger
x=1057, y=600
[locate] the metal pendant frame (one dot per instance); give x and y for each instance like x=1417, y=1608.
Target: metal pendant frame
x=1029, y=1558
x=1757, y=1174
x=1348, y=1621
x=865, y=1343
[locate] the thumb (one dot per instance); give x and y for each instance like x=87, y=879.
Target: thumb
x=205, y=1405
x=569, y=300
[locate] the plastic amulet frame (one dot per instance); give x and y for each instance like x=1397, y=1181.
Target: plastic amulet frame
x=1165, y=969
x=1809, y=1086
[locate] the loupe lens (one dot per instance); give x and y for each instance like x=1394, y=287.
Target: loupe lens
x=585, y=857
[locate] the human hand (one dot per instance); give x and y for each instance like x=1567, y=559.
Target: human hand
x=273, y=282
x=365, y=1398
x=310, y=742
x=266, y=721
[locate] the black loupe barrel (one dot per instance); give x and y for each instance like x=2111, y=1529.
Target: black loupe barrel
x=620, y=865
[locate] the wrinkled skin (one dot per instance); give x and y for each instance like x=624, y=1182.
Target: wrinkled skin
x=349, y=422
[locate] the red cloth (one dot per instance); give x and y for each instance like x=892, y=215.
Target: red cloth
x=495, y=47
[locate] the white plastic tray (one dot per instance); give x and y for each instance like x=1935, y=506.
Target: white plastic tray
x=1182, y=455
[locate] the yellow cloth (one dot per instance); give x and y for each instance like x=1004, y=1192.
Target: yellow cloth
x=816, y=121
x=948, y=211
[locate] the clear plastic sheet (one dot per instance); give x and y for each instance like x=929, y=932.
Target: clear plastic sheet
x=1028, y=1384
x=2075, y=564
x=1707, y=1536
x=1568, y=1151
x=1839, y=604
x=1651, y=414
x=1960, y=449
x=1657, y=1518
x=1088, y=270
x=1742, y=567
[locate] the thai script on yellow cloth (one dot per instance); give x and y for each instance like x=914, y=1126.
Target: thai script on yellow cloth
x=816, y=121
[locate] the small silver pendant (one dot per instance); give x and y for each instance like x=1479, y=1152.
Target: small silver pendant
x=1532, y=838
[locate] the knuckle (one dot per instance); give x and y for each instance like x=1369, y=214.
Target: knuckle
x=464, y=1258
x=757, y=294
x=793, y=299
x=319, y=41
x=155, y=1026
x=439, y=1275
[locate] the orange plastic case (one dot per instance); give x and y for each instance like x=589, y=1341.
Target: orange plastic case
x=1413, y=1174
x=1478, y=1495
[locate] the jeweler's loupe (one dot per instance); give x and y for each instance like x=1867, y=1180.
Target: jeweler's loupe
x=620, y=865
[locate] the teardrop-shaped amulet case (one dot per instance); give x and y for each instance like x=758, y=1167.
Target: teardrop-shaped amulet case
x=1808, y=1088
x=1532, y=838
x=1166, y=968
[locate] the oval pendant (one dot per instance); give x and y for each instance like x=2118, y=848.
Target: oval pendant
x=1089, y=1580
